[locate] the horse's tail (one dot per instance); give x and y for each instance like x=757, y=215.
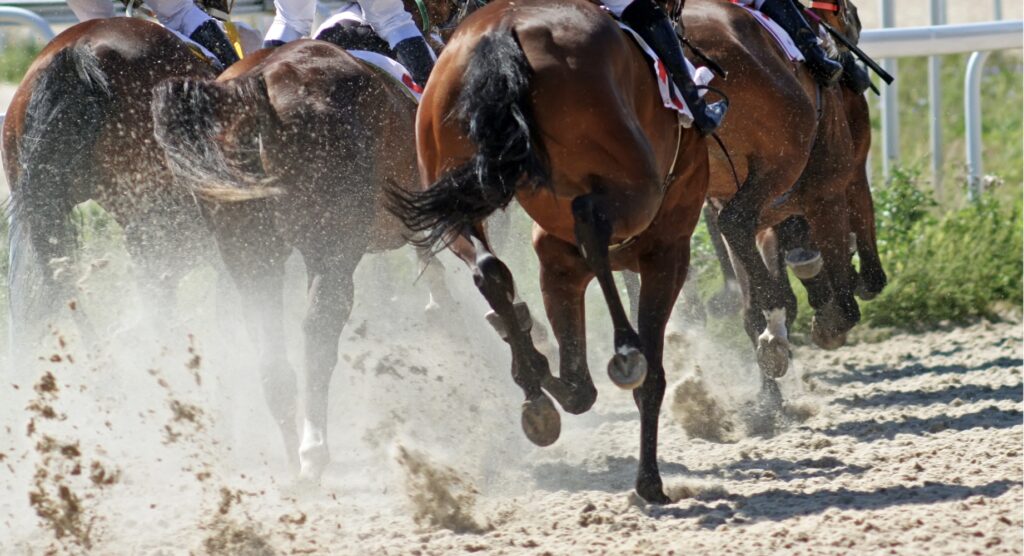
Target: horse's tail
x=69, y=103
x=211, y=131
x=494, y=106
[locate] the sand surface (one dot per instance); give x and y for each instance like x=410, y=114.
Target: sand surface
x=908, y=446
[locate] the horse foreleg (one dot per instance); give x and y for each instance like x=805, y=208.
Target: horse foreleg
x=662, y=277
x=872, y=279
x=829, y=228
x=729, y=298
x=330, y=304
x=563, y=282
x=511, y=318
x=764, y=315
x=593, y=228
x=256, y=261
x=632, y=283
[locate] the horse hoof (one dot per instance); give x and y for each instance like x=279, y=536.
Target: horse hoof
x=312, y=462
x=827, y=341
x=806, y=264
x=773, y=356
x=541, y=421
x=628, y=368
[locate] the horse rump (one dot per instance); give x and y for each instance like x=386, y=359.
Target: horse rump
x=495, y=109
x=210, y=132
x=69, y=102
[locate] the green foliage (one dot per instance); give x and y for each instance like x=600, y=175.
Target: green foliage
x=1002, y=119
x=16, y=57
x=950, y=266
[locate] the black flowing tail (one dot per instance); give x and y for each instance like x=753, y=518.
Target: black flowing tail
x=190, y=117
x=71, y=99
x=494, y=107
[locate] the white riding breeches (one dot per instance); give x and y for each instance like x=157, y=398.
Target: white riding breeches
x=182, y=16
x=388, y=19
x=619, y=6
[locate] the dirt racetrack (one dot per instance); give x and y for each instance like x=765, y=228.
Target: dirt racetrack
x=908, y=446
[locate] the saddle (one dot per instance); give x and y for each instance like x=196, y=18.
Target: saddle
x=347, y=29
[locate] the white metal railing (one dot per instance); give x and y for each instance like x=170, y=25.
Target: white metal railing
x=20, y=16
x=979, y=38
x=890, y=123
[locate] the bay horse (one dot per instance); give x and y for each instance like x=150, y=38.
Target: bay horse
x=550, y=103
x=290, y=149
x=78, y=128
x=799, y=151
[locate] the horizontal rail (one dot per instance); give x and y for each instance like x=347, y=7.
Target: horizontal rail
x=22, y=16
x=902, y=42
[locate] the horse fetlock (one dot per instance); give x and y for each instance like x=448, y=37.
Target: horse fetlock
x=541, y=421
x=806, y=263
x=870, y=284
x=627, y=368
x=773, y=352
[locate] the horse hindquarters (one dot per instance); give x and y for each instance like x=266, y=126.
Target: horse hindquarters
x=70, y=100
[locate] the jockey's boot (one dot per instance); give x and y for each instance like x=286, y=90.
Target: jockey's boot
x=213, y=39
x=785, y=12
x=416, y=56
x=651, y=23
x=272, y=43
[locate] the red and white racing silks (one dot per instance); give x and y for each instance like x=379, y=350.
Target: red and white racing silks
x=670, y=96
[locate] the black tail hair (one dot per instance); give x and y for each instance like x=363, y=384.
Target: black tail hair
x=188, y=118
x=494, y=105
x=69, y=103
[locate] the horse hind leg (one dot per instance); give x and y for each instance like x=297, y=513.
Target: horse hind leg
x=593, y=228
x=330, y=296
x=563, y=281
x=512, y=320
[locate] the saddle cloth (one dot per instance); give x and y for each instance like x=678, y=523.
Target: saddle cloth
x=671, y=98
x=352, y=12
x=776, y=31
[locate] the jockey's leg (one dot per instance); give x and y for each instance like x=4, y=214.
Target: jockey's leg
x=648, y=19
x=390, y=20
x=85, y=10
x=786, y=13
x=186, y=18
x=293, y=20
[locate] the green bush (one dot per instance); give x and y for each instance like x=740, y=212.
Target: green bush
x=953, y=265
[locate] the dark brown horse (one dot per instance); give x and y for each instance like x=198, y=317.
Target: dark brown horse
x=290, y=149
x=550, y=103
x=78, y=128
x=799, y=151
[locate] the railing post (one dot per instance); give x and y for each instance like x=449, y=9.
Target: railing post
x=938, y=17
x=972, y=122
x=890, y=101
